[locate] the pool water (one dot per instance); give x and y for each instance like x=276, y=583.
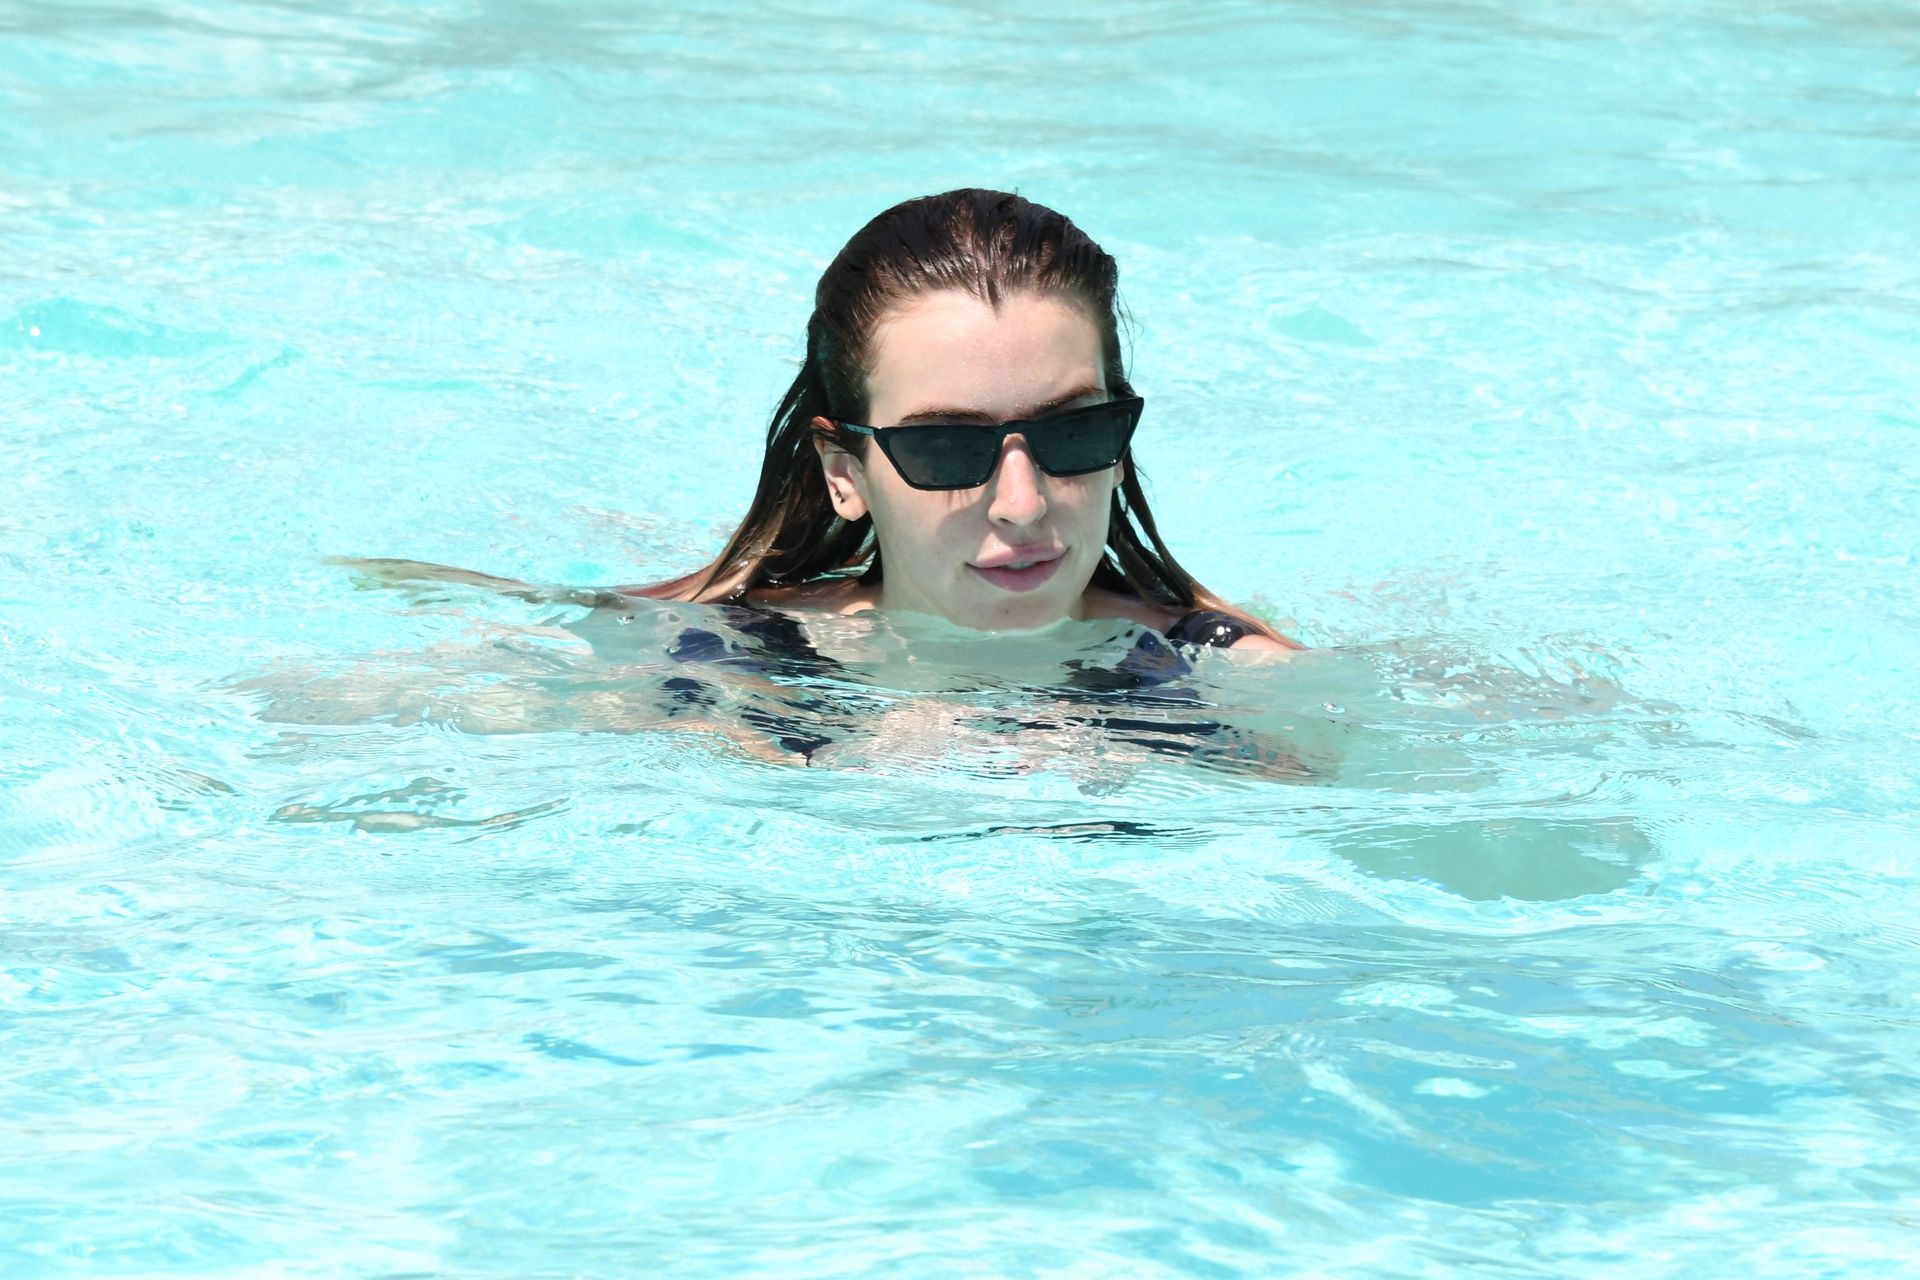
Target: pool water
x=1548, y=369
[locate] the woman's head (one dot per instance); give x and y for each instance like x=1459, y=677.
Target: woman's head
x=972, y=305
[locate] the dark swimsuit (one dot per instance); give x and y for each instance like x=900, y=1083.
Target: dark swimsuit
x=1209, y=627
x=1093, y=694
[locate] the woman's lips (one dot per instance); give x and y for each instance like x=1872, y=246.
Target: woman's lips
x=1008, y=578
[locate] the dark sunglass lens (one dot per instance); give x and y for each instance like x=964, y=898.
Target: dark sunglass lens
x=1081, y=441
x=942, y=457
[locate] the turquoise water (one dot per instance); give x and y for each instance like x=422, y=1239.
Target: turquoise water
x=1549, y=369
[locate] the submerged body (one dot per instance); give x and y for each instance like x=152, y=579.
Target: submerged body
x=759, y=678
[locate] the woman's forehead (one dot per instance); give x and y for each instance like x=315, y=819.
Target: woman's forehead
x=950, y=349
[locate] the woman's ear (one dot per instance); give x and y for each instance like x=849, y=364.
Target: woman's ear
x=842, y=472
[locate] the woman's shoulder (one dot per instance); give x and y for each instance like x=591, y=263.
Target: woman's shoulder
x=1254, y=642
x=1215, y=628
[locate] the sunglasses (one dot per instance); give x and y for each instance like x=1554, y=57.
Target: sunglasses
x=963, y=455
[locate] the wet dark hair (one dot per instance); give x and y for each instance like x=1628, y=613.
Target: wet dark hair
x=989, y=244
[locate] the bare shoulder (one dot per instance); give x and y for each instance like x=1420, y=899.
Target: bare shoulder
x=1286, y=646
x=1101, y=603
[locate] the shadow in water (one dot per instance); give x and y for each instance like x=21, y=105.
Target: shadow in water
x=1517, y=856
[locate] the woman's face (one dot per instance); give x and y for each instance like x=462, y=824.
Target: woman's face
x=950, y=357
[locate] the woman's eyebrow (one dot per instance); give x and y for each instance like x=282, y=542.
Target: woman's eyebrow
x=975, y=415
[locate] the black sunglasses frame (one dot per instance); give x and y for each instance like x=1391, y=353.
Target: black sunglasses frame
x=886, y=437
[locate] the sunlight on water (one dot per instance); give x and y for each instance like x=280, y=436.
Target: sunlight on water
x=1547, y=371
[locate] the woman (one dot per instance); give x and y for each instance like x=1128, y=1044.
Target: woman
x=962, y=418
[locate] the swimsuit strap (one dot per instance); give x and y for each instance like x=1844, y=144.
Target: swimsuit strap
x=1210, y=627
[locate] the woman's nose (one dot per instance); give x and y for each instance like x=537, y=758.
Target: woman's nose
x=1016, y=497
